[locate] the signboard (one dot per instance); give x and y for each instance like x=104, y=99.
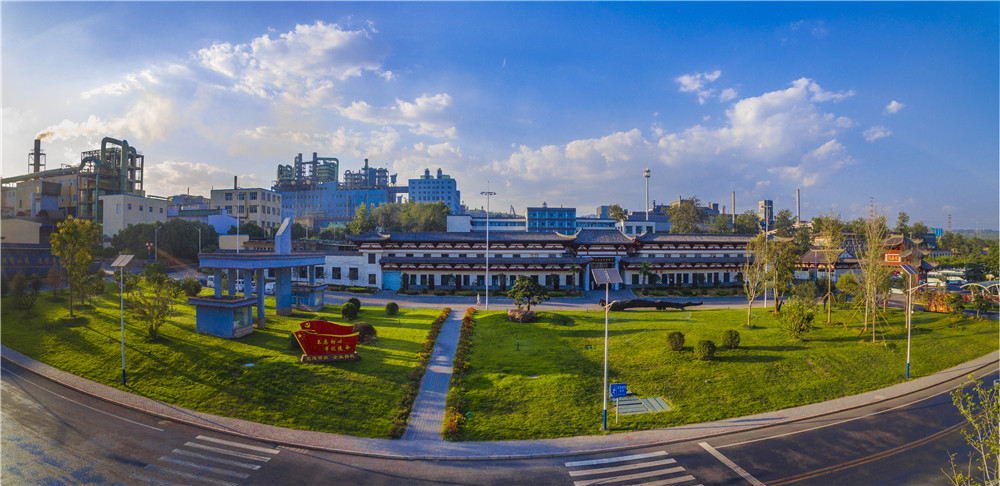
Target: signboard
x=619, y=390
x=326, y=341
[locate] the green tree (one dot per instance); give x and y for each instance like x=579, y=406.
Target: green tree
x=299, y=231
x=617, y=213
x=754, y=271
x=74, y=244
x=873, y=273
x=747, y=224
x=154, y=304
x=918, y=230
x=363, y=221
x=980, y=410
x=719, y=225
x=54, y=280
x=687, y=217
x=784, y=223
x=250, y=229
x=25, y=292
x=797, y=318
x=526, y=292
x=903, y=224
x=645, y=270
x=333, y=233
x=831, y=230
x=782, y=258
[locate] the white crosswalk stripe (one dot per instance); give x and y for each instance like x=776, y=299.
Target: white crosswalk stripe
x=215, y=464
x=649, y=469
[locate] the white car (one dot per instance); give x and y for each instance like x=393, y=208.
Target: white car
x=269, y=288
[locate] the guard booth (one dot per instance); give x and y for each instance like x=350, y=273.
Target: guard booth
x=230, y=314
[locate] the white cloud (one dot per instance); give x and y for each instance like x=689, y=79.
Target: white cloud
x=696, y=83
x=427, y=115
x=894, y=107
x=179, y=177
x=150, y=118
x=815, y=166
x=875, y=133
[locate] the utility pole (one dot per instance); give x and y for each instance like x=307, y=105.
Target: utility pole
x=488, y=193
x=645, y=174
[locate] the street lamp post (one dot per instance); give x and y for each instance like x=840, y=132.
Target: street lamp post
x=199, y=240
x=120, y=263
x=645, y=174
x=910, y=271
x=607, y=276
x=488, y=193
x=156, y=248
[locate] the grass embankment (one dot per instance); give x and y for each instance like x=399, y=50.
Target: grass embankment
x=210, y=374
x=539, y=380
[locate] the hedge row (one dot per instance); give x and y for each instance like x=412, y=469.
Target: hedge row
x=454, y=402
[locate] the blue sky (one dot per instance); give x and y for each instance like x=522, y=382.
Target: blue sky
x=563, y=103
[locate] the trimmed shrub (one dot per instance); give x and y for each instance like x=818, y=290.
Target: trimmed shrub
x=676, y=340
x=356, y=302
x=190, y=286
x=704, y=350
x=366, y=332
x=731, y=339
x=349, y=311
x=518, y=315
x=391, y=309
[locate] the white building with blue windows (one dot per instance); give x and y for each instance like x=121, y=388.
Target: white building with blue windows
x=428, y=189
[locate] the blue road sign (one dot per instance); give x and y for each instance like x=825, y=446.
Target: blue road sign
x=619, y=390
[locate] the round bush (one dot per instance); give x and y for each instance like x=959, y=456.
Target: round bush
x=731, y=339
x=366, y=332
x=349, y=311
x=356, y=302
x=190, y=286
x=704, y=350
x=676, y=340
x=391, y=309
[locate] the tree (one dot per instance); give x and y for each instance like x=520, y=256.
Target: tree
x=363, y=221
x=782, y=257
x=617, y=213
x=747, y=224
x=980, y=409
x=687, y=217
x=645, y=270
x=299, y=231
x=754, y=271
x=74, y=244
x=918, y=230
x=784, y=223
x=526, y=291
x=873, y=273
x=575, y=270
x=25, y=293
x=154, y=304
x=54, y=279
x=831, y=230
x=797, y=318
x=719, y=225
x=903, y=224
x=250, y=229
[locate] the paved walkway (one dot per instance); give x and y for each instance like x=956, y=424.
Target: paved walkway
x=428, y=410
x=435, y=448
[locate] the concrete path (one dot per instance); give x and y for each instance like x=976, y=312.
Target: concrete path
x=427, y=415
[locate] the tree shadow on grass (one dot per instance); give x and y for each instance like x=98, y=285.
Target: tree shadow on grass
x=753, y=358
x=781, y=349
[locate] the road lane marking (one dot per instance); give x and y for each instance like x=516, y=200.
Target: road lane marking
x=593, y=462
x=732, y=465
x=866, y=459
x=665, y=482
x=237, y=444
x=200, y=479
x=195, y=465
x=219, y=460
x=227, y=452
x=629, y=477
x=151, y=480
x=84, y=405
x=786, y=434
x=641, y=465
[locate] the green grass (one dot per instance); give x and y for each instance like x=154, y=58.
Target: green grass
x=538, y=380
x=209, y=374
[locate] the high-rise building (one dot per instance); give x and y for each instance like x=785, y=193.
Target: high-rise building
x=765, y=212
x=428, y=189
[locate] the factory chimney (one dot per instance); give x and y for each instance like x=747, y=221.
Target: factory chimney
x=798, y=212
x=734, y=208
x=234, y=183
x=36, y=156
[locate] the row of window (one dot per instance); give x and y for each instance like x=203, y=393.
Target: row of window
x=119, y=208
x=253, y=196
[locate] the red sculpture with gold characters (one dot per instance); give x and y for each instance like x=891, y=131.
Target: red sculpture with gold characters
x=326, y=341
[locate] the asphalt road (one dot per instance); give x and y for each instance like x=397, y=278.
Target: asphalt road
x=54, y=435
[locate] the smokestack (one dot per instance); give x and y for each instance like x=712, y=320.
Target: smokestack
x=798, y=212
x=234, y=183
x=36, y=156
x=734, y=208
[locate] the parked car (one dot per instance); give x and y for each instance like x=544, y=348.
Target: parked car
x=269, y=288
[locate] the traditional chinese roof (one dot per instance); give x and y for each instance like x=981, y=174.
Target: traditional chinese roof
x=634, y=260
x=819, y=257
x=500, y=261
x=692, y=238
x=600, y=237
x=473, y=237
x=898, y=239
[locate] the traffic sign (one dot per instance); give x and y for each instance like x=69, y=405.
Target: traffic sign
x=619, y=390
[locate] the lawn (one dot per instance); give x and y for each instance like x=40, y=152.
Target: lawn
x=540, y=380
x=257, y=378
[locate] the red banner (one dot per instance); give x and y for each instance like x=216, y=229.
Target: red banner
x=327, y=341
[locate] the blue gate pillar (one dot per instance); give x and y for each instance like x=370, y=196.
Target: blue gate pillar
x=231, y=286
x=260, y=299
x=283, y=291
x=217, y=276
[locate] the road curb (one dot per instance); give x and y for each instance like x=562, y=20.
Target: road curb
x=95, y=390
